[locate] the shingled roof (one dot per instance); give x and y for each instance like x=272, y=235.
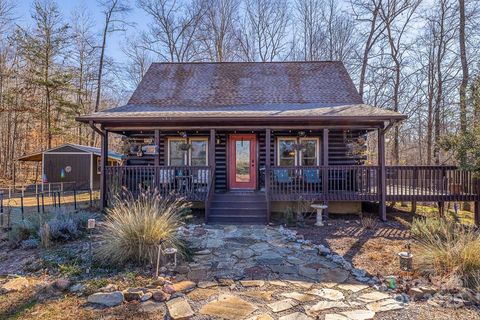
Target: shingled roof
x=244, y=90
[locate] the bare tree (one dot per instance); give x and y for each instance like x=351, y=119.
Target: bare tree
x=464, y=84
x=139, y=60
x=263, y=35
x=173, y=35
x=218, y=29
x=397, y=16
x=311, y=34
x=113, y=13
x=368, y=11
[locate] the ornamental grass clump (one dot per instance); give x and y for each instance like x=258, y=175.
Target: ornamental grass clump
x=447, y=250
x=135, y=227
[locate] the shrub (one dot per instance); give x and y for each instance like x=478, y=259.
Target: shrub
x=134, y=228
x=447, y=250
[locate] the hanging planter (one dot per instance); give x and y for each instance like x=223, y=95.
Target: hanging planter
x=185, y=146
x=299, y=146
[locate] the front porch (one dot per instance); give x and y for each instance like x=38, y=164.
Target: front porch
x=257, y=163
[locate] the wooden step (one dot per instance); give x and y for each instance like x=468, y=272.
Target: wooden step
x=238, y=207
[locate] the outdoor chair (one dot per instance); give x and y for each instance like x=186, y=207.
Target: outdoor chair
x=312, y=179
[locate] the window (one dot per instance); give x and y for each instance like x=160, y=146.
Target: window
x=309, y=155
x=176, y=156
x=198, y=152
x=286, y=151
x=196, y=155
x=288, y=155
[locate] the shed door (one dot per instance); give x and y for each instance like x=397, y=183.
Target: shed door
x=242, y=166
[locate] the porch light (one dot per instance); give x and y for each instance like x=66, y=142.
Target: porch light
x=301, y=134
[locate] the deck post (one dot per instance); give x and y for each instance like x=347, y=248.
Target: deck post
x=211, y=163
x=325, y=170
x=268, y=161
x=157, y=147
x=476, y=210
x=103, y=164
x=382, y=190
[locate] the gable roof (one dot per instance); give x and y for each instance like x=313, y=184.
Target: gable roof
x=243, y=90
x=37, y=156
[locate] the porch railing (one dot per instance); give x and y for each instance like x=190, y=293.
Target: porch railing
x=189, y=182
x=361, y=183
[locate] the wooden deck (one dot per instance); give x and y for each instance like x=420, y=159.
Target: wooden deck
x=361, y=183
x=322, y=183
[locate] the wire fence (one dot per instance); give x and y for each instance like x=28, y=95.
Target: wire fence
x=17, y=207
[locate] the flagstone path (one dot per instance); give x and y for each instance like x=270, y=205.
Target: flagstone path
x=262, y=272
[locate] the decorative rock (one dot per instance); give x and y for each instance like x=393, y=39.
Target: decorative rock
x=152, y=307
x=335, y=316
x=373, y=296
x=170, y=289
x=78, y=288
x=359, y=314
x=146, y=296
x=302, y=284
x=62, y=284
x=316, y=310
x=384, y=305
x=108, y=288
x=352, y=287
x=203, y=252
x=132, y=294
x=183, y=286
x=298, y=296
x=243, y=253
x=201, y=294
x=252, y=283
x=15, y=284
x=160, y=281
x=259, y=295
x=295, y=316
x=228, y=307
x=160, y=296
x=329, y=294
x=263, y=316
x=282, y=305
x=358, y=272
x=278, y=283
x=207, y=284
x=108, y=299
x=294, y=260
x=322, y=250
x=179, y=308
x=403, y=298
x=226, y=282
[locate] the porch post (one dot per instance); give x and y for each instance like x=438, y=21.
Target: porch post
x=268, y=161
x=211, y=163
x=382, y=190
x=157, y=147
x=103, y=173
x=325, y=170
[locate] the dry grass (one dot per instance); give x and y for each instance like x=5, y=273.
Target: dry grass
x=134, y=228
x=368, y=222
x=448, y=251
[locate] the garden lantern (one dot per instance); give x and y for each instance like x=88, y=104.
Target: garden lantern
x=90, y=227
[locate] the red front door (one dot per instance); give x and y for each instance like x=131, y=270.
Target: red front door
x=242, y=164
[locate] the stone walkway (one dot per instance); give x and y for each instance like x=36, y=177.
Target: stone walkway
x=260, y=272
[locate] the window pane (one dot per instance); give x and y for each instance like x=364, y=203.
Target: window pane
x=199, y=153
x=309, y=153
x=242, y=161
x=286, y=152
x=177, y=156
x=287, y=162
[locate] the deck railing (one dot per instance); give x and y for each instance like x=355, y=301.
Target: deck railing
x=189, y=182
x=361, y=183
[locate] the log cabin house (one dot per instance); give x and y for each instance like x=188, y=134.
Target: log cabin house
x=245, y=139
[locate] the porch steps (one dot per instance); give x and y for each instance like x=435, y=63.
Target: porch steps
x=238, y=207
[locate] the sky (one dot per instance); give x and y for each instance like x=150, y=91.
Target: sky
x=67, y=7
